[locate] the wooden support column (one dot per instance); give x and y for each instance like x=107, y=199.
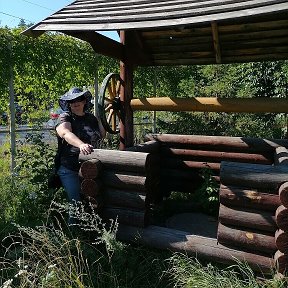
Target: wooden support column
x=216, y=42
x=126, y=94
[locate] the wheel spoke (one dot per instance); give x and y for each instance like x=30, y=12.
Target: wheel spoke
x=110, y=115
x=118, y=86
x=113, y=86
x=112, y=96
x=108, y=107
x=113, y=122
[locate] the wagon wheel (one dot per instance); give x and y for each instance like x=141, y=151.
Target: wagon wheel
x=109, y=104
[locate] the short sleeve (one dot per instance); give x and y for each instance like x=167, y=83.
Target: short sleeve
x=63, y=117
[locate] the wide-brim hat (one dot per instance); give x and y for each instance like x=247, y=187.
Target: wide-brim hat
x=72, y=94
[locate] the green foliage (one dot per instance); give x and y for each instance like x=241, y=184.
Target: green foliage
x=207, y=196
x=225, y=124
x=46, y=67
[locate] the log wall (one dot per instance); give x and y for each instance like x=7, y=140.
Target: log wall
x=253, y=191
x=184, y=156
x=281, y=215
x=129, y=182
x=253, y=213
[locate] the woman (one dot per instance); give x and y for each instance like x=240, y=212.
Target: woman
x=78, y=131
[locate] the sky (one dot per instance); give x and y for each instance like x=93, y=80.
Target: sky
x=33, y=11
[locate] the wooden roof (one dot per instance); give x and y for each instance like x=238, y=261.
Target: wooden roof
x=178, y=32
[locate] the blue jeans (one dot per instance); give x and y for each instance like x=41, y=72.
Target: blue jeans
x=71, y=183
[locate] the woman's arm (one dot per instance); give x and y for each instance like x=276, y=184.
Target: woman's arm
x=64, y=130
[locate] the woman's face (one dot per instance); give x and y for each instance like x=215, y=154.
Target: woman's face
x=77, y=106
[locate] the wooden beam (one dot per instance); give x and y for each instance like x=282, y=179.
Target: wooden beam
x=192, y=245
x=100, y=43
x=212, y=104
x=216, y=42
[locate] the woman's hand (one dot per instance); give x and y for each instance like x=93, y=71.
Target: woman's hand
x=85, y=148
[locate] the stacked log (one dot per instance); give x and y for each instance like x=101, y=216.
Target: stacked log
x=91, y=185
x=130, y=183
x=193, y=245
x=281, y=215
x=191, y=153
x=249, y=203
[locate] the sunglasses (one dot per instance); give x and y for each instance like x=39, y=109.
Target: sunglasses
x=79, y=99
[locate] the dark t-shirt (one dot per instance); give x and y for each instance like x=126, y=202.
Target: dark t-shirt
x=86, y=129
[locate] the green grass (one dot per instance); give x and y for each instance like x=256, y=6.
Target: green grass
x=88, y=255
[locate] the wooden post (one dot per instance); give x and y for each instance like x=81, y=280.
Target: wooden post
x=126, y=94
